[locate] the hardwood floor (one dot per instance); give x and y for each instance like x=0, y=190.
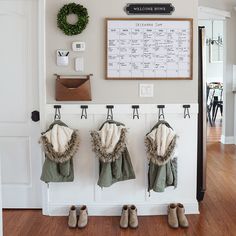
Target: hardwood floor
x=217, y=218
x=214, y=132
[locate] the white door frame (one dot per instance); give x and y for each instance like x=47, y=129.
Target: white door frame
x=42, y=85
x=207, y=13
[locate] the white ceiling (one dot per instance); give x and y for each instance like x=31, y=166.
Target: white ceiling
x=221, y=4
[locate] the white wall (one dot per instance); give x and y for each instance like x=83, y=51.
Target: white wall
x=214, y=71
x=84, y=189
x=1, y=223
x=94, y=35
x=228, y=80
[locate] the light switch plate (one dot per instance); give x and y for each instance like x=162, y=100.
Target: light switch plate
x=146, y=90
x=79, y=64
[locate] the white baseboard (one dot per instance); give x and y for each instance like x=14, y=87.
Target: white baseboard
x=227, y=139
x=115, y=210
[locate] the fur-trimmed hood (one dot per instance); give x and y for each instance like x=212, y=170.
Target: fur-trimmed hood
x=161, y=143
x=110, y=141
x=59, y=142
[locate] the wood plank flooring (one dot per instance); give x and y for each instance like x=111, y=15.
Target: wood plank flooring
x=214, y=132
x=217, y=218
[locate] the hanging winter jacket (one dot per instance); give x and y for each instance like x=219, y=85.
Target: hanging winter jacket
x=160, y=144
x=109, y=145
x=60, y=144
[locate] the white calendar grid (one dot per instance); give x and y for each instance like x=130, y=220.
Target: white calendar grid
x=152, y=51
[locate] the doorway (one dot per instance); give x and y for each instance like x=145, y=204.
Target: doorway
x=214, y=46
x=212, y=65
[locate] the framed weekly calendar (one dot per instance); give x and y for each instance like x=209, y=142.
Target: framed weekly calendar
x=149, y=48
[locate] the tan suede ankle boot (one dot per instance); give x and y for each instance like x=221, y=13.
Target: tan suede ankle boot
x=83, y=217
x=172, y=216
x=133, y=217
x=183, y=222
x=124, y=219
x=72, y=218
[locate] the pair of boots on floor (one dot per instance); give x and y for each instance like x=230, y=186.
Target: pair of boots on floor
x=176, y=216
x=129, y=217
x=83, y=217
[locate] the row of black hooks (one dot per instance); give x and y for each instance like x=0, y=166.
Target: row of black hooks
x=84, y=114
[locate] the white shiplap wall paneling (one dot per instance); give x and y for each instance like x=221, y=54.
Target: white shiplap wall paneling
x=108, y=201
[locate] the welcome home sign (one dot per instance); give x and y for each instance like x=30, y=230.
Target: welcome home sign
x=149, y=9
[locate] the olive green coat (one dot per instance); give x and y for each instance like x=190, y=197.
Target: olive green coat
x=57, y=172
x=114, y=167
x=58, y=167
x=162, y=176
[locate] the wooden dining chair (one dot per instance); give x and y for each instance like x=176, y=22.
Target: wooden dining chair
x=217, y=104
x=210, y=99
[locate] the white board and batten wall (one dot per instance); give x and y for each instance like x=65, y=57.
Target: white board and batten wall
x=84, y=190
x=108, y=201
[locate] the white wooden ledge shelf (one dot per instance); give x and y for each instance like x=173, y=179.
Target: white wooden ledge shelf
x=122, y=108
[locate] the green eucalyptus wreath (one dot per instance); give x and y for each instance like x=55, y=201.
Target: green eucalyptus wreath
x=79, y=26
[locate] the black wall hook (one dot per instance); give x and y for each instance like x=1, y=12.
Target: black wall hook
x=110, y=112
x=57, y=115
x=84, y=112
x=161, y=114
x=135, y=111
x=186, y=111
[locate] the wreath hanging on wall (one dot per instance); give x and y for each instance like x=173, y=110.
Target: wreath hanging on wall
x=79, y=26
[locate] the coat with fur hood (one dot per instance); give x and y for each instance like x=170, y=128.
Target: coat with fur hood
x=161, y=144
x=60, y=143
x=109, y=145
